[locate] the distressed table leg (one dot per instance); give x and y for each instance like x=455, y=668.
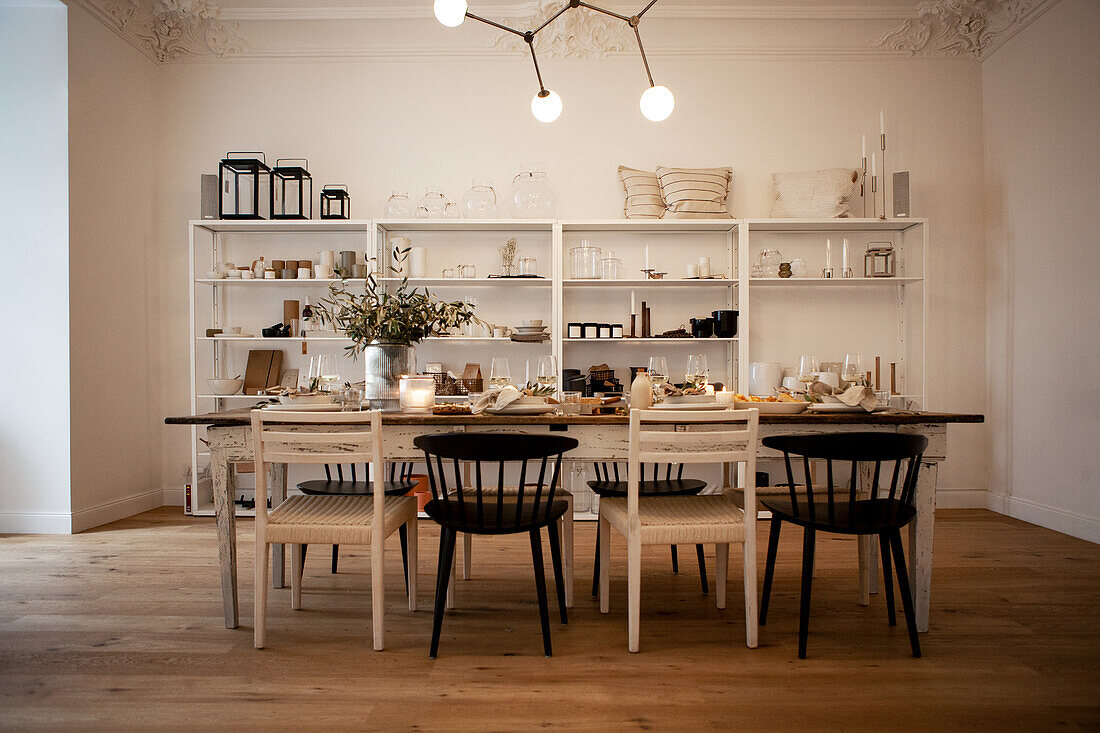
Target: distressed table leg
x=920, y=542
x=278, y=552
x=227, y=532
x=467, y=538
x=868, y=556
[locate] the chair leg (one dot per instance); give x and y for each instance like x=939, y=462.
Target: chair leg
x=410, y=543
x=596, y=565
x=567, y=551
x=769, y=568
x=442, y=580
x=748, y=569
x=721, y=570
x=378, y=589
x=454, y=579
x=403, y=535
x=335, y=557
x=634, y=591
x=906, y=595
x=807, y=583
x=540, y=587
x=675, y=562
x=259, y=624
x=605, y=565
x=296, y=565
x=887, y=577
x=559, y=575
x=703, y=571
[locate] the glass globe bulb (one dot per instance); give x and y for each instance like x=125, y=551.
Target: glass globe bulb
x=657, y=103
x=546, y=109
x=450, y=13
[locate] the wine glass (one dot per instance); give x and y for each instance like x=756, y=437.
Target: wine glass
x=807, y=365
x=499, y=373
x=547, y=374
x=328, y=375
x=658, y=369
x=696, y=373
x=853, y=368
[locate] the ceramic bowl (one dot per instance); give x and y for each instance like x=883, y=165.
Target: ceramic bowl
x=223, y=387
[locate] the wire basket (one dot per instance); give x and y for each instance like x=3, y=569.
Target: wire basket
x=448, y=386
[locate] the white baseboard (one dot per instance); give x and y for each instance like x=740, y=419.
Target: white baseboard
x=1044, y=515
x=961, y=498
x=113, y=511
x=36, y=522
x=172, y=497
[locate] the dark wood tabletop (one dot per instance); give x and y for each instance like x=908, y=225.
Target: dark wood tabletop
x=239, y=417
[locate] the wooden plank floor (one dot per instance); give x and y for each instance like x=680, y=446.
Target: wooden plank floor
x=120, y=629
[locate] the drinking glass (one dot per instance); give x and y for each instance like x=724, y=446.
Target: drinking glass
x=853, y=368
x=658, y=369
x=448, y=273
x=467, y=271
x=547, y=374
x=499, y=373
x=351, y=399
x=570, y=403
x=696, y=373
x=807, y=365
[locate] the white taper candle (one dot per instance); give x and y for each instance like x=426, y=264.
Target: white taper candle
x=828, y=253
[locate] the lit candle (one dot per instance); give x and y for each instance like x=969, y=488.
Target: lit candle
x=633, y=305
x=725, y=397
x=828, y=253
x=844, y=257
x=417, y=394
x=873, y=164
x=865, y=146
x=881, y=122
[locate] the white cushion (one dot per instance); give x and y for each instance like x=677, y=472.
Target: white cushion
x=823, y=194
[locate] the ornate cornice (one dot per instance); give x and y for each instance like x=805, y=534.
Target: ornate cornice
x=171, y=30
x=959, y=27
x=581, y=34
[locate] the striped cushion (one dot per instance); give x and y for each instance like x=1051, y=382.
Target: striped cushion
x=695, y=193
x=643, y=194
x=824, y=194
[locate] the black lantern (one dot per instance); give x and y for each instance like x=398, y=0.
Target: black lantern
x=335, y=202
x=244, y=186
x=291, y=190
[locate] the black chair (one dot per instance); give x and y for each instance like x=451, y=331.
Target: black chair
x=604, y=485
x=395, y=485
x=833, y=509
x=494, y=508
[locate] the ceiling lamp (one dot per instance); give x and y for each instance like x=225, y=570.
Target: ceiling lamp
x=656, y=102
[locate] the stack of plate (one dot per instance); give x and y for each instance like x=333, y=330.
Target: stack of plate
x=531, y=333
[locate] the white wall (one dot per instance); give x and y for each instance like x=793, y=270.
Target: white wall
x=1042, y=148
x=114, y=133
x=379, y=126
x=34, y=283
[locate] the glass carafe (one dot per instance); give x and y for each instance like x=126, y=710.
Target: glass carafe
x=480, y=202
x=398, y=206
x=431, y=204
x=532, y=195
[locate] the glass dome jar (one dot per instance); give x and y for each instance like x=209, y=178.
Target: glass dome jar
x=770, y=260
x=586, y=261
x=431, y=204
x=610, y=266
x=480, y=202
x=398, y=205
x=532, y=195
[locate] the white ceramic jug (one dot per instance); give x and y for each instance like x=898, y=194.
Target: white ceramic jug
x=764, y=377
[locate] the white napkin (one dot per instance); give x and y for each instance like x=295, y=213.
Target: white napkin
x=852, y=396
x=496, y=399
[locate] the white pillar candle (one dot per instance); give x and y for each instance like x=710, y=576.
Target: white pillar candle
x=704, y=267
x=844, y=257
x=418, y=262
x=828, y=253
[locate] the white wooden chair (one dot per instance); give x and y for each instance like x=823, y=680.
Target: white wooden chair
x=309, y=437
x=723, y=437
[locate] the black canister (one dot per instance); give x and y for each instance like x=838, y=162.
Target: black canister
x=702, y=328
x=725, y=323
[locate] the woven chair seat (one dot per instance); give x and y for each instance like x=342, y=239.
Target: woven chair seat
x=334, y=519
x=680, y=519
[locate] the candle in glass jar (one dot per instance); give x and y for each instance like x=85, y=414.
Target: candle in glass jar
x=417, y=394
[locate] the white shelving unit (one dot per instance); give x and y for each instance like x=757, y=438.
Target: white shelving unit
x=778, y=318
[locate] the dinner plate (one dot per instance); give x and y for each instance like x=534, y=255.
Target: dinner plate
x=690, y=406
x=841, y=407
x=773, y=408
x=521, y=409
x=330, y=407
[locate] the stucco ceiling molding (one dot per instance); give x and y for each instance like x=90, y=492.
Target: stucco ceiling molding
x=578, y=34
x=959, y=27
x=172, y=30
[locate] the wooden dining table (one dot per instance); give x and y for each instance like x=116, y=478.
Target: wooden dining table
x=601, y=437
